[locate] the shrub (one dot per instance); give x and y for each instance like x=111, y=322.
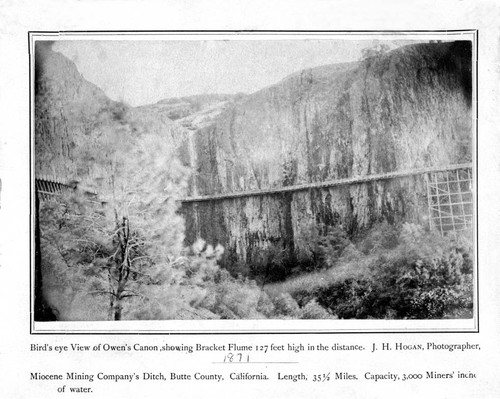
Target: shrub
x=424, y=276
x=319, y=245
x=395, y=271
x=265, y=306
x=381, y=236
x=314, y=311
x=344, y=298
x=286, y=306
x=207, y=286
x=270, y=264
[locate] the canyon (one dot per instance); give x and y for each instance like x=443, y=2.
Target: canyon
x=407, y=109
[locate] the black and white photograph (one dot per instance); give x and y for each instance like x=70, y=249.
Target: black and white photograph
x=254, y=176
x=287, y=199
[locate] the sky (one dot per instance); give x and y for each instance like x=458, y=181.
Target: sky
x=142, y=72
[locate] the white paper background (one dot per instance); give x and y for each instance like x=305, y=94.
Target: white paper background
x=17, y=361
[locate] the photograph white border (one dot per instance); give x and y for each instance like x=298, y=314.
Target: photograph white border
x=257, y=326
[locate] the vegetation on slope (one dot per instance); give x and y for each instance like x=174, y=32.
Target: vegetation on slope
x=394, y=272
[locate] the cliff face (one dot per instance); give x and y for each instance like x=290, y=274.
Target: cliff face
x=406, y=109
x=66, y=109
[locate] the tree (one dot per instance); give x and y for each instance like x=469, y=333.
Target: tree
x=125, y=248
x=374, y=51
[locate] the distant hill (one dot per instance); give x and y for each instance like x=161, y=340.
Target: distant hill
x=182, y=107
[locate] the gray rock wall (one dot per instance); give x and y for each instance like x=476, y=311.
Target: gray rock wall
x=410, y=108
x=248, y=225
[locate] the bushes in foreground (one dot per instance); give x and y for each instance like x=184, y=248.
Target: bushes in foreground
x=207, y=286
x=393, y=272
x=317, y=247
x=404, y=273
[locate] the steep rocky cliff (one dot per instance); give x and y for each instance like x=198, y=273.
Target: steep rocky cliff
x=406, y=109
x=66, y=110
x=74, y=118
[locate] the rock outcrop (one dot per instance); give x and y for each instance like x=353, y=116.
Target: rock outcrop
x=73, y=118
x=407, y=109
x=67, y=107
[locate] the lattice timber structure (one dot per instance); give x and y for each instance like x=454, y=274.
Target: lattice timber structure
x=48, y=187
x=449, y=192
x=450, y=200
